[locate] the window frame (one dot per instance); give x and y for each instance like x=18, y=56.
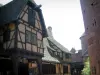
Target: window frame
x=30, y=38
x=31, y=16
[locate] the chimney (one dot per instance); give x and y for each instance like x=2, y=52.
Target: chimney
x=1, y=5
x=49, y=30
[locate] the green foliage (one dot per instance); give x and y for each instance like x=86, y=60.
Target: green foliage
x=86, y=70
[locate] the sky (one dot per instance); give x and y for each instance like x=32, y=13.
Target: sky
x=65, y=18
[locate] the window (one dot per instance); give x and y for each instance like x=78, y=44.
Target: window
x=61, y=54
x=55, y=53
x=28, y=36
x=31, y=38
x=58, y=53
x=31, y=17
x=67, y=56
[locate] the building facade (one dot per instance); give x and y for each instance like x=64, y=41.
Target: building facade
x=91, y=17
x=22, y=30
x=57, y=58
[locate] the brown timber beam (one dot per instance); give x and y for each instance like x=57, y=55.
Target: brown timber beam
x=69, y=72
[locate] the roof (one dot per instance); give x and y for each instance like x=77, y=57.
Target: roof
x=58, y=45
x=47, y=56
x=48, y=43
x=8, y=12
x=73, y=50
x=11, y=11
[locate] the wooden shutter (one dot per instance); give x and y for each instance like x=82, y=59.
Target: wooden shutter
x=31, y=17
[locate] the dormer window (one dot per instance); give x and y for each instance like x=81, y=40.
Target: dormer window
x=58, y=53
x=61, y=54
x=55, y=53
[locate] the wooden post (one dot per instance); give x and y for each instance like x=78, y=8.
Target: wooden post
x=61, y=69
x=39, y=61
x=68, y=68
x=15, y=61
x=57, y=71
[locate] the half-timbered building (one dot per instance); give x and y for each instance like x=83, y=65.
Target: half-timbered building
x=57, y=58
x=22, y=30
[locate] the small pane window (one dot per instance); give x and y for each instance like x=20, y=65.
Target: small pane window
x=58, y=53
x=28, y=36
x=67, y=55
x=61, y=54
x=55, y=53
x=33, y=39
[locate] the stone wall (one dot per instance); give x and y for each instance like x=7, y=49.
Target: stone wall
x=91, y=17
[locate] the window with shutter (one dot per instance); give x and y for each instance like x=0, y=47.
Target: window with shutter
x=31, y=17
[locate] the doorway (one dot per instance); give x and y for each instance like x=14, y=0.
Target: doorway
x=6, y=67
x=23, y=69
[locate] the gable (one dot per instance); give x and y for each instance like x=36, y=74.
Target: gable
x=31, y=17
x=11, y=11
